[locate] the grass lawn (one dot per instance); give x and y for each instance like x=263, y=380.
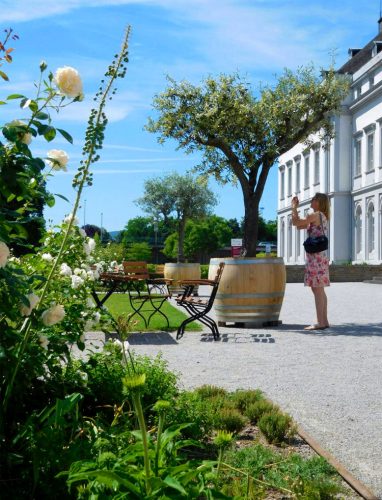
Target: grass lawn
x=119, y=305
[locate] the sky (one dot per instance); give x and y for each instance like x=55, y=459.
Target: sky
x=184, y=39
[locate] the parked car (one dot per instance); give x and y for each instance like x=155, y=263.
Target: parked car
x=262, y=246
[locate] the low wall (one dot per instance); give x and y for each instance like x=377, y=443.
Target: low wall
x=337, y=272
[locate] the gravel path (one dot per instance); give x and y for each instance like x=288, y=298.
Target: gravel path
x=330, y=381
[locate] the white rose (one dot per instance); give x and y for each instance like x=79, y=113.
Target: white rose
x=71, y=217
x=69, y=82
x=77, y=281
x=96, y=316
x=65, y=270
x=90, y=302
x=82, y=232
x=33, y=301
x=4, y=254
x=44, y=342
x=47, y=257
x=53, y=315
x=57, y=159
x=25, y=137
x=89, y=246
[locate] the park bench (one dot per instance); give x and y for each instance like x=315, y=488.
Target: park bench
x=199, y=306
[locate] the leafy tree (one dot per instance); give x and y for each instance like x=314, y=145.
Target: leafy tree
x=140, y=229
x=241, y=136
x=139, y=251
x=182, y=195
x=207, y=235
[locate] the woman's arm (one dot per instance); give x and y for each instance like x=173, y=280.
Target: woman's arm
x=303, y=223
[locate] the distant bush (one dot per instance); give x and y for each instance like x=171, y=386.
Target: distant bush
x=243, y=398
x=256, y=410
x=277, y=426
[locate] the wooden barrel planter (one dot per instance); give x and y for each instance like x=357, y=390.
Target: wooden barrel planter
x=181, y=271
x=251, y=291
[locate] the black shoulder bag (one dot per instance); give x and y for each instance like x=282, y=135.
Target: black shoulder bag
x=317, y=244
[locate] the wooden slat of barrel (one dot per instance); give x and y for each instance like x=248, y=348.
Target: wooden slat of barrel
x=181, y=271
x=251, y=291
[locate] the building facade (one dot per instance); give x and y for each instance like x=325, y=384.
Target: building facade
x=348, y=169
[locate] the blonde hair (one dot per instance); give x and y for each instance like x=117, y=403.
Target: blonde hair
x=323, y=203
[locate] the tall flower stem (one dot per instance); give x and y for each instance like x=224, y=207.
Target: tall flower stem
x=94, y=139
x=142, y=425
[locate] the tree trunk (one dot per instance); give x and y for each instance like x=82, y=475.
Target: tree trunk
x=181, y=232
x=251, y=224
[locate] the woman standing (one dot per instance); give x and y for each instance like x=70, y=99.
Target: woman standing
x=317, y=264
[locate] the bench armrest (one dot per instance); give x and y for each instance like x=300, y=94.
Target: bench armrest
x=197, y=282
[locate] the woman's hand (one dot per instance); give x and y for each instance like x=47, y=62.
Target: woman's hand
x=295, y=202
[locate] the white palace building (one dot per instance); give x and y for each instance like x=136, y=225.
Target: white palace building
x=349, y=170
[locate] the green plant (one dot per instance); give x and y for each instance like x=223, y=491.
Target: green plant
x=244, y=398
x=210, y=391
x=204, y=271
x=256, y=410
x=230, y=419
x=277, y=426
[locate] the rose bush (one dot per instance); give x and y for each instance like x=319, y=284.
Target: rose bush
x=45, y=282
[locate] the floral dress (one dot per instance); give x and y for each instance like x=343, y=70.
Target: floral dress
x=317, y=264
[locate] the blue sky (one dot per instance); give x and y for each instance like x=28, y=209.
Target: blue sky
x=186, y=39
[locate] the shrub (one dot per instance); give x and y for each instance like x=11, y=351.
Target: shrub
x=256, y=410
x=230, y=419
x=209, y=391
x=204, y=271
x=277, y=426
x=244, y=398
x=189, y=407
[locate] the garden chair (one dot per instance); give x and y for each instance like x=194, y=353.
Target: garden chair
x=198, y=306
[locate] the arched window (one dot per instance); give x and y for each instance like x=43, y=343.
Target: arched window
x=370, y=228
x=358, y=230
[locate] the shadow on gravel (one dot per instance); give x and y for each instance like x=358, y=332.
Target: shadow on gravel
x=154, y=338
x=345, y=329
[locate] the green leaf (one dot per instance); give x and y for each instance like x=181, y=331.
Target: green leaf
x=50, y=133
x=4, y=76
x=33, y=106
x=173, y=483
x=50, y=201
x=62, y=197
x=41, y=116
x=65, y=134
x=2, y=102
x=15, y=96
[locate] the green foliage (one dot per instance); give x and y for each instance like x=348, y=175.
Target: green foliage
x=241, y=136
x=256, y=410
x=138, y=251
x=264, y=470
x=110, y=253
x=210, y=391
x=204, y=271
x=276, y=426
x=243, y=398
x=230, y=420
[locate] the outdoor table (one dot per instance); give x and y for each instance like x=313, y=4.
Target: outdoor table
x=140, y=293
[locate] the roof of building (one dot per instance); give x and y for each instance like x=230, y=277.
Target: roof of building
x=361, y=57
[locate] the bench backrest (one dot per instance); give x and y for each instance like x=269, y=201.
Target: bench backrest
x=136, y=269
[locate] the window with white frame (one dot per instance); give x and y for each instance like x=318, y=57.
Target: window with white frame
x=370, y=151
x=297, y=179
x=316, y=166
x=370, y=228
x=282, y=184
x=306, y=171
x=289, y=170
x=358, y=230
x=357, y=155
